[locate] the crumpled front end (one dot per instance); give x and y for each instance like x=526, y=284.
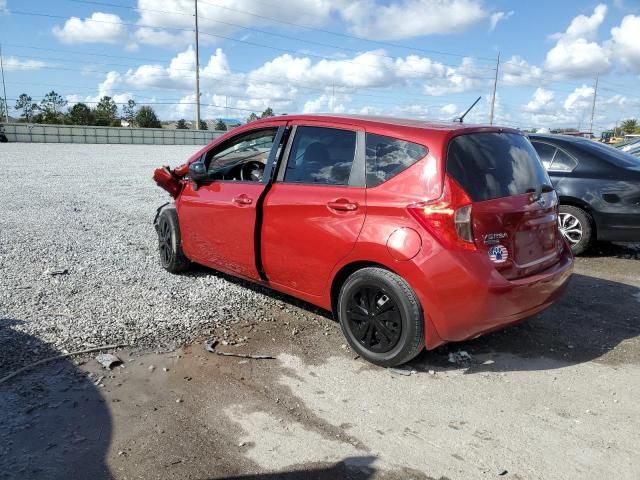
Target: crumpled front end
x=169, y=180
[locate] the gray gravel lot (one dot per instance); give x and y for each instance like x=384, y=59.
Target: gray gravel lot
x=89, y=210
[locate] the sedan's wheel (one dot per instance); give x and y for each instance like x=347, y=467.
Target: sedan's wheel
x=172, y=258
x=575, y=226
x=380, y=317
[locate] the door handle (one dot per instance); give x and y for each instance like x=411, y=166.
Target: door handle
x=343, y=205
x=243, y=200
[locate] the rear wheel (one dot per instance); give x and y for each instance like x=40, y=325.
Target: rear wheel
x=381, y=317
x=172, y=257
x=575, y=226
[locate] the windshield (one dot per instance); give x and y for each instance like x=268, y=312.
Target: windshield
x=494, y=165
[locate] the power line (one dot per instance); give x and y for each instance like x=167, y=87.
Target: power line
x=215, y=35
x=236, y=82
x=346, y=35
x=252, y=29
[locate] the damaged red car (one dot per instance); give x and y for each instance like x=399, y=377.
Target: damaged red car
x=413, y=234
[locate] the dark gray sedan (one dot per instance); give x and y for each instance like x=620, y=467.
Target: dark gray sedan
x=598, y=187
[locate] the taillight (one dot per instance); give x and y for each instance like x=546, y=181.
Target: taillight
x=448, y=219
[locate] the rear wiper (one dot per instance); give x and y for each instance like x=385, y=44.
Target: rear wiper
x=543, y=188
x=538, y=191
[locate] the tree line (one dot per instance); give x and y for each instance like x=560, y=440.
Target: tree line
x=52, y=109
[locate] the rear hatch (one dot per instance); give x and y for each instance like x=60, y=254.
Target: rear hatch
x=514, y=208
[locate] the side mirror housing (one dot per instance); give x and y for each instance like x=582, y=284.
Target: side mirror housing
x=198, y=171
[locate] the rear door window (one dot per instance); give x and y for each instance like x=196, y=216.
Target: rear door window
x=495, y=165
x=387, y=157
x=321, y=155
x=562, y=162
x=545, y=152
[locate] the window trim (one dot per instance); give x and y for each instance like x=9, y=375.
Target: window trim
x=357, y=176
x=270, y=158
x=551, y=169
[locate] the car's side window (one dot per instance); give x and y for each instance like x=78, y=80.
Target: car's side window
x=545, y=152
x=321, y=155
x=387, y=157
x=562, y=162
x=241, y=158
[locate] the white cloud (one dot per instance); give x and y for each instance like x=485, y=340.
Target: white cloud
x=466, y=77
x=576, y=52
x=625, y=42
x=518, y=72
x=14, y=64
x=411, y=18
x=222, y=18
x=498, y=17
x=180, y=73
x=579, y=99
x=542, y=101
x=449, y=109
x=326, y=103
x=3, y=7
x=98, y=28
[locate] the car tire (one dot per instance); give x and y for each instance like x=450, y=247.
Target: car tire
x=172, y=257
x=3, y=139
x=576, y=226
x=381, y=317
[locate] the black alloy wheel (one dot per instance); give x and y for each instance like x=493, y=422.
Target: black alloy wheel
x=374, y=318
x=172, y=257
x=164, y=241
x=381, y=316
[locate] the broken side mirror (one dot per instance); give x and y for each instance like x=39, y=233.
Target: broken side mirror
x=197, y=171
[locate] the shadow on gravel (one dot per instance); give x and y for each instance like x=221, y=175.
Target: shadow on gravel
x=54, y=423
x=351, y=468
x=198, y=271
x=588, y=323
x=627, y=251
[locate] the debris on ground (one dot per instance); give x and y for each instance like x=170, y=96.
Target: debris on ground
x=502, y=473
x=59, y=271
x=460, y=357
x=108, y=360
x=59, y=357
x=210, y=346
x=403, y=371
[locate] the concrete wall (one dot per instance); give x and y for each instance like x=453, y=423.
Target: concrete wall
x=23, y=132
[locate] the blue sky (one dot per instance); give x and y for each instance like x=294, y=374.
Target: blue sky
x=418, y=58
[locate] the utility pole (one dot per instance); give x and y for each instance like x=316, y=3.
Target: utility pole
x=197, y=72
x=495, y=86
x=4, y=89
x=593, y=107
x=333, y=98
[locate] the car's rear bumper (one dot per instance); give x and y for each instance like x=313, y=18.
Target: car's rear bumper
x=481, y=301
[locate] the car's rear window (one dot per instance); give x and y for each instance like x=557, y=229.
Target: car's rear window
x=495, y=165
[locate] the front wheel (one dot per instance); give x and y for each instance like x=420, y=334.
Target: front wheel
x=381, y=317
x=172, y=257
x=575, y=226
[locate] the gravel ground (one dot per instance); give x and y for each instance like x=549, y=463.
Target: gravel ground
x=89, y=212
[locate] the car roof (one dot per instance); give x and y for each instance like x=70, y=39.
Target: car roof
x=380, y=120
x=558, y=137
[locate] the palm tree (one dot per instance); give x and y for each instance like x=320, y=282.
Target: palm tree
x=629, y=126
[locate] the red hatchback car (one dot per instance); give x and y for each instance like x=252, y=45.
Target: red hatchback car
x=412, y=233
